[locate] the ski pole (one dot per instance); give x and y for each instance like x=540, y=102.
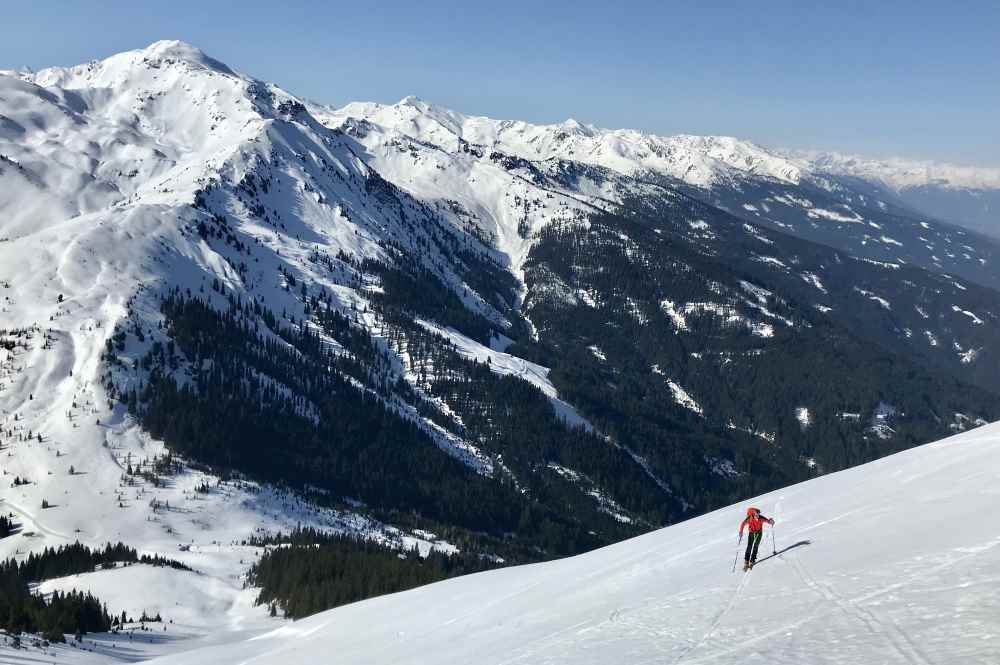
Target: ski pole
x=737, y=557
x=774, y=548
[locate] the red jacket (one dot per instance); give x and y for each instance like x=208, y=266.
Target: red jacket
x=756, y=523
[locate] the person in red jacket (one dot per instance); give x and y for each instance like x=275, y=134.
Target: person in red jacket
x=755, y=521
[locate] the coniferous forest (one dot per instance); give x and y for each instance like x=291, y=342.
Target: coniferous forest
x=75, y=612
x=7, y=526
x=312, y=572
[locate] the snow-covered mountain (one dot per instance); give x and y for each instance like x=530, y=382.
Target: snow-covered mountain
x=837, y=200
x=438, y=154
x=227, y=310
x=966, y=195
x=699, y=160
x=901, y=174
x=100, y=171
x=890, y=562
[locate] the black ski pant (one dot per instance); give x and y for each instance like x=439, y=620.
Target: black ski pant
x=753, y=542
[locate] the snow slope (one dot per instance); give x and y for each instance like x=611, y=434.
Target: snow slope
x=891, y=562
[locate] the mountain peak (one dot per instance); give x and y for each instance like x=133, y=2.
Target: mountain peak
x=430, y=109
x=168, y=51
x=173, y=47
x=576, y=127
x=113, y=70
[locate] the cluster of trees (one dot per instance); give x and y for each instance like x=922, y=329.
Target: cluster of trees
x=71, y=612
x=312, y=571
x=421, y=293
x=7, y=525
x=21, y=610
x=77, y=558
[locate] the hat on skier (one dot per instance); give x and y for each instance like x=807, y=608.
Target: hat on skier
x=751, y=510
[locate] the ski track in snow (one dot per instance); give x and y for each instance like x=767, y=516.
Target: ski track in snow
x=30, y=519
x=736, y=597
x=853, y=610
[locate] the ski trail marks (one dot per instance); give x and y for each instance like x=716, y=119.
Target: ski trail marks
x=735, y=598
x=30, y=518
x=852, y=608
x=887, y=631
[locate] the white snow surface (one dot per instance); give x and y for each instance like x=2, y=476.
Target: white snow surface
x=682, y=397
x=856, y=580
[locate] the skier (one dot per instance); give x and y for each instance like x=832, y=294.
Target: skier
x=755, y=521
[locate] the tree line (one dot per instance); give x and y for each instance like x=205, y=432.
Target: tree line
x=311, y=571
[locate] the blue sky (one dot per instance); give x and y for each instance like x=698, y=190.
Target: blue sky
x=881, y=79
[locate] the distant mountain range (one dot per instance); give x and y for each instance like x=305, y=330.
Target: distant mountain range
x=968, y=196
